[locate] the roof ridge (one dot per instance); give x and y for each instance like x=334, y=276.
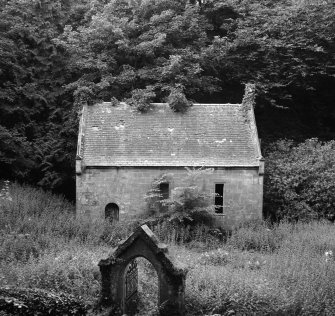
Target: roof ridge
x=165, y=104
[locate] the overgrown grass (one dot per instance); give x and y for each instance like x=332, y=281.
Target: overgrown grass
x=278, y=271
x=45, y=217
x=259, y=270
x=42, y=245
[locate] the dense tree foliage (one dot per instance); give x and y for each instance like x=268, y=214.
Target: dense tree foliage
x=152, y=45
x=299, y=182
x=55, y=55
x=37, y=130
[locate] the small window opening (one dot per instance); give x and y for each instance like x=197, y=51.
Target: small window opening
x=164, y=192
x=112, y=212
x=219, y=198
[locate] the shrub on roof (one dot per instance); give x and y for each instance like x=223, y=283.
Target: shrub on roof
x=141, y=99
x=177, y=100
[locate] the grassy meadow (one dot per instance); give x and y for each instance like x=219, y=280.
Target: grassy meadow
x=283, y=269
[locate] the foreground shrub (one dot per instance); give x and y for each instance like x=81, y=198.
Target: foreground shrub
x=33, y=302
x=300, y=180
x=71, y=269
x=188, y=204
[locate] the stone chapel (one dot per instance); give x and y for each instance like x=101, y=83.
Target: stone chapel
x=121, y=151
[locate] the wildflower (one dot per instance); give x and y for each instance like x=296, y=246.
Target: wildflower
x=329, y=255
x=4, y=193
x=254, y=264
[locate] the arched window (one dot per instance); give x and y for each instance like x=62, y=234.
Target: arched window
x=112, y=212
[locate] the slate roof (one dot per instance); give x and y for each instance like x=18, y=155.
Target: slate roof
x=206, y=135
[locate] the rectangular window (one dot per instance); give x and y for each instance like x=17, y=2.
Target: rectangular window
x=219, y=198
x=164, y=191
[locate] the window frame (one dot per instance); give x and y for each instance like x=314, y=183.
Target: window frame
x=168, y=190
x=164, y=209
x=223, y=191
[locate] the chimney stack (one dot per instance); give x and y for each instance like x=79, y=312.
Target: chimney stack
x=249, y=95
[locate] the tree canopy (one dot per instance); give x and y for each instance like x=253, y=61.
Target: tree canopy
x=55, y=55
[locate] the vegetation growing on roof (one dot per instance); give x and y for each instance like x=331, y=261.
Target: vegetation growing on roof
x=141, y=99
x=114, y=101
x=248, y=100
x=177, y=101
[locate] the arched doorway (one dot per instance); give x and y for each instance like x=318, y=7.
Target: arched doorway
x=119, y=275
x=141, y=288
x=112, y=212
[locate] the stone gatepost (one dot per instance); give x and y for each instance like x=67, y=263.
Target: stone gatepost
x=119, y=275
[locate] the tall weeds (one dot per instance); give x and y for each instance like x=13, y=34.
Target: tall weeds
x=261, y=269
x=43, y=245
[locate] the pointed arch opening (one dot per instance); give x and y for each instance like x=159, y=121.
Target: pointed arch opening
x=141, y=287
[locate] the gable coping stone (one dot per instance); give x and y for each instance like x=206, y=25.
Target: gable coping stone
x=173, y=266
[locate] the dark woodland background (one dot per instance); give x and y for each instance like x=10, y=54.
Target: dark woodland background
x=57, y=54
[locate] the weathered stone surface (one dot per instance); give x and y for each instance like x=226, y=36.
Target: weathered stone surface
x=171, y=274
x=121, y=152
x=243, y=191
x=206, y=134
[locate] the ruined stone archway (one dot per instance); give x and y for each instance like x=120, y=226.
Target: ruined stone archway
x=140, y=287
x=171, y=275
x=148, y=287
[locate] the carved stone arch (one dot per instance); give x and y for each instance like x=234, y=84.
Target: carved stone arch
x=131, y=266
x=171, y=274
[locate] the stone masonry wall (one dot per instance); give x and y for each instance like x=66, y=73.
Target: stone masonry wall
x=243, y=191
